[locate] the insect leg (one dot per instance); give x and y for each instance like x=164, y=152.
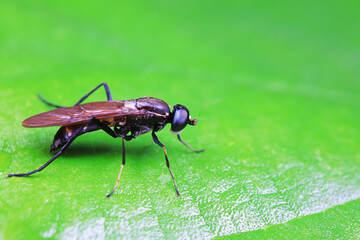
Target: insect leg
x=187, y=145
x=122, y=166
x=156, y=140
x=51, y=160
x=107, y=90
x=104, y=127
x=113, y=134
x=49, y=103
x=78, y=132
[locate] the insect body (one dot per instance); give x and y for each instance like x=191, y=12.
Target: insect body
x=124, y=119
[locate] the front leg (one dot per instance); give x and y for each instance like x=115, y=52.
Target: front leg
x=187, y=145
x=156, y=140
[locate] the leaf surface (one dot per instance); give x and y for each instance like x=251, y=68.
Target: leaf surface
x=275, y=88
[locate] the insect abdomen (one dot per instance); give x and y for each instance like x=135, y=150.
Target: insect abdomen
x=65, y=133
x=61, y=137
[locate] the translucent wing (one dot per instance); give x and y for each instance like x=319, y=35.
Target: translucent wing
x=78, y=114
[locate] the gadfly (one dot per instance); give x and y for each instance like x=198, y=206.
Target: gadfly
x=125, y=119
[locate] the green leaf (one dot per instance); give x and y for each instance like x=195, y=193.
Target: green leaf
x=275, y=88
x=339, y=222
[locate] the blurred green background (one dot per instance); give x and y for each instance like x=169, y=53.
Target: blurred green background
x=275, y=86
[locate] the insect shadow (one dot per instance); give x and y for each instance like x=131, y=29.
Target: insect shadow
x=82, y=149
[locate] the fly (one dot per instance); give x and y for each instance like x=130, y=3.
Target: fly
x=125, y=119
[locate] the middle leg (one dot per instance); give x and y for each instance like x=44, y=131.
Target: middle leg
x=122, y=166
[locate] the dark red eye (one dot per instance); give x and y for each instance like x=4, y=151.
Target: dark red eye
x=180, y=118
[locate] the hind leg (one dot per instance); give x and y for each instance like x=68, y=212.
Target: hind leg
x=107, y=91
x=77, y=132
x=66, y=145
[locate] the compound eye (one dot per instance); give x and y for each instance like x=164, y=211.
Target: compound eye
x=180, y=119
